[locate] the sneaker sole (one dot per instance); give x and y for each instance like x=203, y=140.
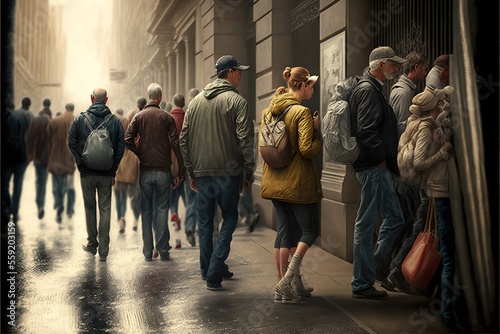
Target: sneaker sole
x=365, y=297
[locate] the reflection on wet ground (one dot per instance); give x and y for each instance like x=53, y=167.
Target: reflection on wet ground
x=63, y=289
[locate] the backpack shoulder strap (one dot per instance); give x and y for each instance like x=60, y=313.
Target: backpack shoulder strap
x=89, y=121
x=267, y=121
x=106, y=119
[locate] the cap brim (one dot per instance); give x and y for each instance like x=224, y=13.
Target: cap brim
x=312, y=78
x=397, y=59
x=242, y=67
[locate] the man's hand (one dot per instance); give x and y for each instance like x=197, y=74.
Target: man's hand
x=192, y=185
x=247, y=184
x=178, y=181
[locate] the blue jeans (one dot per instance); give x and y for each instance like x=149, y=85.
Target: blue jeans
x=174, y=198
x=101, y=184
x=155, y=197
x=447, y=250
x=191, y=214
x=41, y=174
x=18, y=170
x=62, y=185
x=224, y=191
x=377, y=195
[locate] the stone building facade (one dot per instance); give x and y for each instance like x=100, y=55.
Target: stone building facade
x=39, y=54
x=176, y=43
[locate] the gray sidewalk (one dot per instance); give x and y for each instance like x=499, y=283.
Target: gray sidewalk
x=62, y=289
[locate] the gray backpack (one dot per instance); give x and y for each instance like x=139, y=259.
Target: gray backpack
x=98, y=150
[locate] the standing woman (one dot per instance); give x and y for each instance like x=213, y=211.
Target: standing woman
x=431, y=157
x=295, y=190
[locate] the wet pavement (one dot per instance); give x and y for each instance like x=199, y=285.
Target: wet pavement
x=62, y=289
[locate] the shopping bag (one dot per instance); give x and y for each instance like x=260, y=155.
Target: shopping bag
x=424, y=258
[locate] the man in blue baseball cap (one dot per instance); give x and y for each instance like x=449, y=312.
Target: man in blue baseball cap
x=217, y=140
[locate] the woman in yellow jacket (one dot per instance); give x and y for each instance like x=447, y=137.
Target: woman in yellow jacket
x=295, y=190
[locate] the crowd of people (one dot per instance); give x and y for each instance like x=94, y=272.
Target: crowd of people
x=161, y=155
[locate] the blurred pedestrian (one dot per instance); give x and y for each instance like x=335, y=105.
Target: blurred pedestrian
x=191, y=219
x=141, y=103
x=439, y=75
x=38, y=151
x=93, y=181
x=19, y=122
x=376, y=135
x=178, y=114
x=127, y=177
x=157, y=138
x=295, y=190
x=415, y=69
x=135, y=191
x=61, y=163
x=217, y=146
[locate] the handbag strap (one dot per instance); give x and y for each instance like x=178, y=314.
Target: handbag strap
x=431, y=221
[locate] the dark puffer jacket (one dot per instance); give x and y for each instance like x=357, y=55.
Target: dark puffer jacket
x=79, y=132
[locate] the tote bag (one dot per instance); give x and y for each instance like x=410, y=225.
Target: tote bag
x=424, y=258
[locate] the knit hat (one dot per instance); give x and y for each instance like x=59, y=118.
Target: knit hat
x=428, y=99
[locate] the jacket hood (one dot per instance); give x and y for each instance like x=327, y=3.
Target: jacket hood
x=280, y=102
x=99, y=109
x=217, y=87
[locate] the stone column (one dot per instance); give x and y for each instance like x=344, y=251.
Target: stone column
x=273, y=53
x=190, y=63
x=180, y=59
x=170, y=74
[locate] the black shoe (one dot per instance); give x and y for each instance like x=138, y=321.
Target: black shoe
x=214, y=286
x=41, y=213
x=102, y=258
x=386, y=284
x=370, y=293
x=148, y=259
x=58, y=218
x=165, y=257
x=191, y=238
x=397, y=280
x=227, y=275
x=253, y=221
x=93, y=251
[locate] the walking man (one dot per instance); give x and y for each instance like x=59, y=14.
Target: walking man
x=217, y=140
x=376, y=135
x=38, y=151
x=152, y=136
x=95, y=180
x=61, y=162
x=19, y=121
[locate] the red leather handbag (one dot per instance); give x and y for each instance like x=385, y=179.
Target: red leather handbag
x=424, y=258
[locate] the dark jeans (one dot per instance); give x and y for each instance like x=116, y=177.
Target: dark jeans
x=41, y=174
x=418, y=226
x=224, y=191
x=191, y=214
x=377, y=196
x=101, y=185
x=447, y=250
x=18, y=171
